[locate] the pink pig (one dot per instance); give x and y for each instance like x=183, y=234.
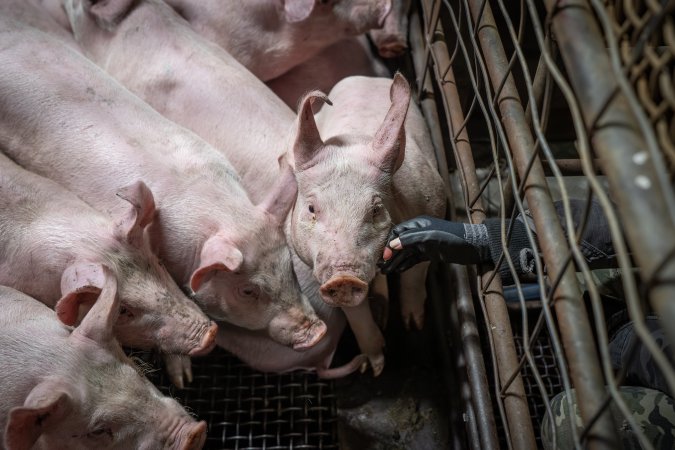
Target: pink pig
x=366, y=162
x=155, y=54
x=51, y=242
x=270, y=37
x=64, y=118
x=65, y=389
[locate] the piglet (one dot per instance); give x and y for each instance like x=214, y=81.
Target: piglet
x=271, y=37
x=366, y=162
x=53, y=247
x=75, y=389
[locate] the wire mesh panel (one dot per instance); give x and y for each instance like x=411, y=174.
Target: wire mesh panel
x=245, y=409
x=526, y=94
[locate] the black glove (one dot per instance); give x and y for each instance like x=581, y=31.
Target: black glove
x=427, y=238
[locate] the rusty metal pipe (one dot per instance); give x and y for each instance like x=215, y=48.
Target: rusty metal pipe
x=622, y=152
x=570, y=310
x=517, y=414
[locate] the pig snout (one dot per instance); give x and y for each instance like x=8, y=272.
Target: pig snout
x=297, y=329
x=344, y=290
x=392, y=46
x=192, y=436
x=310, y=336
x=207, y=341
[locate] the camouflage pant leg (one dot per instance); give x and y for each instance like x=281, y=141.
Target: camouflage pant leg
x=627, y=352
x=654, y=412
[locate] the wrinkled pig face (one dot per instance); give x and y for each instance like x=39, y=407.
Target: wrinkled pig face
x=261, y=292
x=340, y=222
x=154, y=312
x=104, y=402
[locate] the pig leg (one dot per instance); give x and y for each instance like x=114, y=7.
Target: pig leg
x=179, y=369
x=368, y=335
x=413, y=295
x=378, y=294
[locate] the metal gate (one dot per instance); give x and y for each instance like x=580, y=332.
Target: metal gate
x=523, y=96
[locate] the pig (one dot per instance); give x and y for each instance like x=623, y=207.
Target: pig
x=64, y=118
x=51, y=243
x=270, y=37
x=345, y=58
x=65, y=388
x=259, y=352
x=360, y=165
x=154, y=53
x=392, y=39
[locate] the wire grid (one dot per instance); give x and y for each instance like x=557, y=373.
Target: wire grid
x=245, y=409
x=645, y=32
x=493, y=110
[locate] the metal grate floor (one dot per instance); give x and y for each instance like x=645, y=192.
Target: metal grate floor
x=245, y=409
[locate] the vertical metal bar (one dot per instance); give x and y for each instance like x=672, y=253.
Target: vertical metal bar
x=480, y=394
x=570, y=310
x=517, y=412
x=621, y=148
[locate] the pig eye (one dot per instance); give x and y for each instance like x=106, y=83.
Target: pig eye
x=125, y=312
x=101, y=432
x=377, y=209
x=311, y=209
x=249, y=291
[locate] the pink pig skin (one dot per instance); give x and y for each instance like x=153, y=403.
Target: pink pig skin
x=45, y=15
x=392, y=39
x=345, y=58
x=271, y=37
x=64, y=390
x=49, y=236
x=64, y=118
x=200, y=86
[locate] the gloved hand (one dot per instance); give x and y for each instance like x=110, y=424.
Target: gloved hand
x=426, y=238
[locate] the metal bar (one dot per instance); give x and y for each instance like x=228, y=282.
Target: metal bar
x=570, y=310
x=642, y=203
x=517, y=414
x=480, y=394
x=482, y=406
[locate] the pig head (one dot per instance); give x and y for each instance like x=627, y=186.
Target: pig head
x=253, y=286
x=154, y=312
x=340, y=221
x=95, y=397
x=392, y=39
x=270, y=37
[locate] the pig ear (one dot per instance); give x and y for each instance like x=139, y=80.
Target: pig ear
x=298, y=10
x=81, y=282
x=46, y=405
x=217, y=254
x=97, y=325
x=307, y=139
x=389, y=142
x=140, y=214
x=109, y=12
x=282, y=196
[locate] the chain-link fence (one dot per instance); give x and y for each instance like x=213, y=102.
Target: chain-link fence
x=557, y=114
